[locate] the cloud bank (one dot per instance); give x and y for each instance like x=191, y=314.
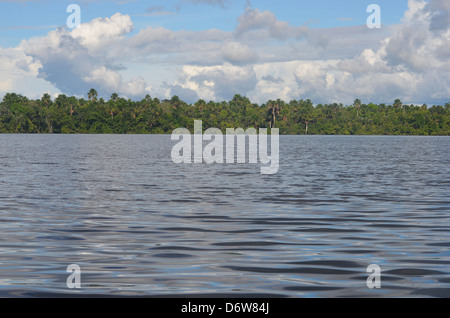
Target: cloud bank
x=262, y=58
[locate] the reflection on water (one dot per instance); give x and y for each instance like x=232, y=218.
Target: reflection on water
x=137, y=224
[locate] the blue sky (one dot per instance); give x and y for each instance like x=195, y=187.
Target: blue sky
x=212, y=49
x=23, y=19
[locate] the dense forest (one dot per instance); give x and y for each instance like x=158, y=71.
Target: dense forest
x=117, y=115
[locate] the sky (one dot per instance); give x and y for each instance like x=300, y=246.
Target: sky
x=321, y=50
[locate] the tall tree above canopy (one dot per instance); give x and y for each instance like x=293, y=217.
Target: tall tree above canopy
x=92, y=94
x=397, y=103
x=357, y=104
x=274, y=110
x=114, y=97
x=11, y=98
x=46, y=100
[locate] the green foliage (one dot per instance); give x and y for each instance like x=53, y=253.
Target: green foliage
x=69, y=115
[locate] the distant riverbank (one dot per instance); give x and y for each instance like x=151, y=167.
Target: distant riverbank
x=70, y=115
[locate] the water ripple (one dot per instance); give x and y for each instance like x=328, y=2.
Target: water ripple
x=139, y=225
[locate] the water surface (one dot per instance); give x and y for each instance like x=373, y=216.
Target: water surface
x=137, y=224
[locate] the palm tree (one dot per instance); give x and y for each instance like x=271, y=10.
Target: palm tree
x=92, y=94
x=306, y=113
x=73, y=102
x=47, y=101
x=398, y=103
x=114, y=96
x=200, y=104
x=61, y=100
x=175, y=101
x=274, y=110
x=111, y=106
x=357, y=104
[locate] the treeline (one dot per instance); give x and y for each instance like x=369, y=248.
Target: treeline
x=117, y=115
